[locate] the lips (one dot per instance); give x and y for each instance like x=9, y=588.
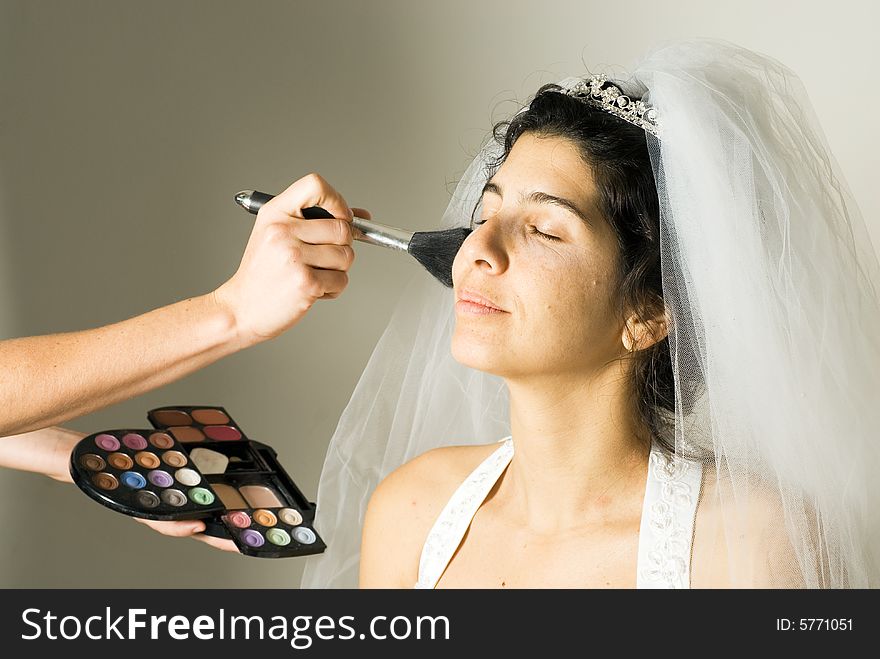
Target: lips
x=473, y=301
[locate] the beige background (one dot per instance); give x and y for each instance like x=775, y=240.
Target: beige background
x=126, y=127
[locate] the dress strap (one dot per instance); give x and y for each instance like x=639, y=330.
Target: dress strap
x=667, y=527
x=455, y=518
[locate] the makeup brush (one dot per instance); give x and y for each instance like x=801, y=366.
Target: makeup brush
x=435, y=250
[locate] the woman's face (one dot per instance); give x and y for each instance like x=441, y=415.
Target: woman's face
x=552, y=296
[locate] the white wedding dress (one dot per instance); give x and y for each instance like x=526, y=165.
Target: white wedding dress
x=665, y=535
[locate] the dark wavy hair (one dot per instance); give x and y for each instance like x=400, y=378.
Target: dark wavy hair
x=617, y=153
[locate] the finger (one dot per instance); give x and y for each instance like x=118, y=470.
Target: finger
x=332, y=282
x=323, y=232
x=310, y=190
x=327, y=257
x=174, y=529
x=217, y=543
x=362, y=213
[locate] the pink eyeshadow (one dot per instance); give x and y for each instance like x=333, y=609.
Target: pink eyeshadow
x=134, y=441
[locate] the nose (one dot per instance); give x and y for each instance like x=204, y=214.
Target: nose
x=484, y=249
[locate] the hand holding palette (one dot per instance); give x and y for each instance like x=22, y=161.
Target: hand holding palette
x=196, y=463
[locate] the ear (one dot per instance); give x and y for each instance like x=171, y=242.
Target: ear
x=639, y=335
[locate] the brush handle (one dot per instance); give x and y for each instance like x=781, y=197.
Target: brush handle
x=373, y=233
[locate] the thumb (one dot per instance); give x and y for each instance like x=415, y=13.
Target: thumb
x=362, y=213
x=175, y=529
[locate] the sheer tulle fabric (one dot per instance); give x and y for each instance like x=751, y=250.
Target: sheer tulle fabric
x=769, y=278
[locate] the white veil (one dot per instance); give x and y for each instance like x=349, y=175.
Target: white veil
x=769, y=277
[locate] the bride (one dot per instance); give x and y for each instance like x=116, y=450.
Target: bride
x=661, y=312
x=537, y=288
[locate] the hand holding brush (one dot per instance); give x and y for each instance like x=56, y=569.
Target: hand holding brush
x=435, y=250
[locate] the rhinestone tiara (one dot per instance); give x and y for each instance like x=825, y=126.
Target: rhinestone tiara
x=600, y=93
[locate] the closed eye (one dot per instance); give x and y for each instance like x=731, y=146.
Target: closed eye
x=532, y=230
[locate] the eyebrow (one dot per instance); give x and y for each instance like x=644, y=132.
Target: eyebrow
x=538, y=197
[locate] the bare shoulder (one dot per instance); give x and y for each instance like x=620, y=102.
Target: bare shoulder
x=748, y=536
x=403, y=509
x=418, y=490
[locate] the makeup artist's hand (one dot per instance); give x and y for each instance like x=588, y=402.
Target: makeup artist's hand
x=290, y=262
x=45, y=451
x=191, y=529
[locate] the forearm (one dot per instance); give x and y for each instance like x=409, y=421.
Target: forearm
x=45, y=451
x=46, y=380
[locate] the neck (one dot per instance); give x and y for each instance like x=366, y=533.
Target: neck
x=580, y=458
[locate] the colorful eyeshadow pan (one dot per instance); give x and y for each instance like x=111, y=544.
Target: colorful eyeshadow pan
x=210, y=417
x=197, y=463
x=147, y=460
x=230, y=496
x=304, y=535
x=240, y=520
x=173, y=418
x=260, y=496
x=201, y=496
x=133, y=480
x=265, y=518
x=174, y=459
x=174, y=498
x=222, y=433
x=187, y=434
x=120, y=461
x=160, y=478
x=107, y=442
x=161, y=440
x=290, y=516
x=105, y=481
x=92, y=462
x=187, y=477
x=252, y=538
x=134, y=441
x=147, y=499
x=278, y=537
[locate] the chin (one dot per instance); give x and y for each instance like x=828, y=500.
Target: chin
x=486, y=357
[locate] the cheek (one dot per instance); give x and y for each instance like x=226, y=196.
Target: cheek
x=570, y=308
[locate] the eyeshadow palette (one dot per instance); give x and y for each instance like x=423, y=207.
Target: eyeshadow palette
x=269, y=531
x=197, y=463
x=143, y=471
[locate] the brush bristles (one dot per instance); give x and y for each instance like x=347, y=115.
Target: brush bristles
x=436, y=251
